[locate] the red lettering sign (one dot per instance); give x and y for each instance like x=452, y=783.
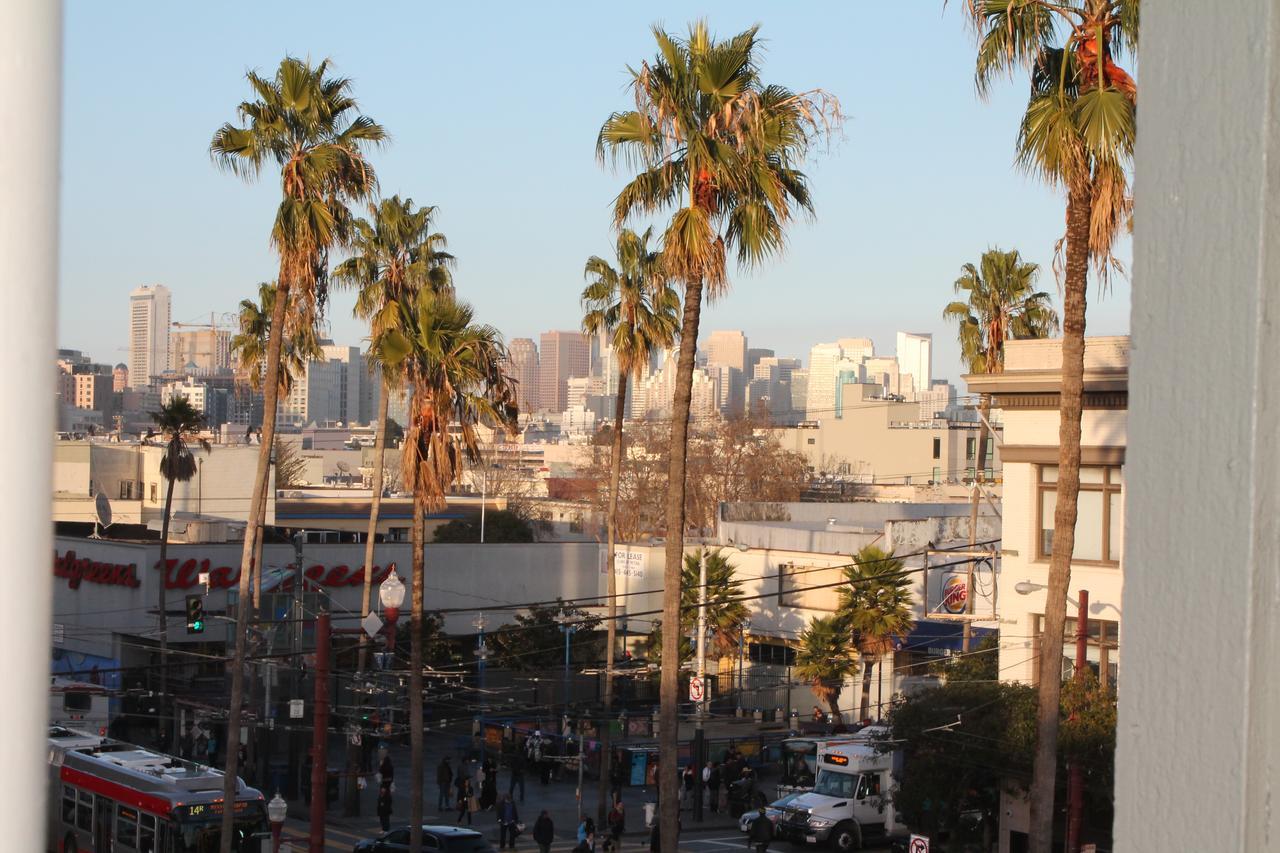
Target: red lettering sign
x=187, y=574
x=77, y=570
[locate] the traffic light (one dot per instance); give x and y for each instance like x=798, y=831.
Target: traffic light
x=195, y=614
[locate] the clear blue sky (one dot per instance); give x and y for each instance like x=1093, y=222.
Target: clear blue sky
x=493, y=111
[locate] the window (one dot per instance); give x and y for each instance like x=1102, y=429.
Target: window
x=1099, y=515
x=126, y=490
x=1102, y=651
x=155, y=492
x=970, y=448
x=147, y=834
x=869, y=786
x=937, y=448
x=69, y=806
x=126, y=827
x=833, y=784
x=810, y=440
x=399, y=836
x=84, y=812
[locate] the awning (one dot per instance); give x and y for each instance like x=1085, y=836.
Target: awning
x=940, y=638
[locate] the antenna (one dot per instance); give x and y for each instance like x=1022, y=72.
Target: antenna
x=101, y=509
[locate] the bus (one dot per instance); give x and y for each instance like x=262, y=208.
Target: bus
x=106, y=796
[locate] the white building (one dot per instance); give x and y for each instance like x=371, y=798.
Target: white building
x=820, y=400
x=915, y=356
x=1027, y=394
x=149, y=319
x=335, y=388
x=197, y=394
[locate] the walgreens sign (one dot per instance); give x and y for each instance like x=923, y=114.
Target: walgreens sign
x=185, y=574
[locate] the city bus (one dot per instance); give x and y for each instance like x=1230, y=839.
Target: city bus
x=106, y=796
x=79, y=705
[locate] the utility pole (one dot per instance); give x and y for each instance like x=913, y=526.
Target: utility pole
x=568, y=633
x=698, y=734
x=967, y=636
x=482, y=653
x=1075, y=773
x=320, y=735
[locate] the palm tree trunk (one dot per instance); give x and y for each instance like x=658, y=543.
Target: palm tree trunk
x=260, y=748
x=979, y=464
x=668, y=740
x=257, y=549
x=864, y=711
x=270, y=393
x=615, y=474
x=168, y=713
x=352, y=806
x=1045, y=767
x=415, y=674
x=375, y=507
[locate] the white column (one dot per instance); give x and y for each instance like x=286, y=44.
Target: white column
x=30, y=75
x=1199, y=733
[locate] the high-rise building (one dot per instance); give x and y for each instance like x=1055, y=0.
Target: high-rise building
x=754, y=354
x=915, y=356
x=149, y=319
x=523, y=353
x=884, y=370
x=333, y=388
x=820, y=401
x=856, y=349
x=561, y=356
x=728, y=348
x=200, y=351
x=120, y=378
x=800, y=391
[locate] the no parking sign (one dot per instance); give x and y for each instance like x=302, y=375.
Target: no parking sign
x=919, y=844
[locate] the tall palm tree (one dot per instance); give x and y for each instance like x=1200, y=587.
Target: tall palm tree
x=725, y=610
x=1078, y=135
x=720, y=149
x=455, y=368
x=635, y=305
x=877, y=605
x=1000, y=303
x=305, y=122
x=825, y=660
x=178, y=424
x=394, y=255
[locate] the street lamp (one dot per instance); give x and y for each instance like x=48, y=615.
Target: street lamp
x=391, y=594
x=276, y=811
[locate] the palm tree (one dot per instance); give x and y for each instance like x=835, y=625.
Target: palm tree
x=720, y=149
x=1077, y=134
x=877, y=606
x=178, y=424
x=305, y=122
x=635, y=305
x=394, y=255
x=725, y=610
x=1000, y=303
x=824, y=659
x=455, y=369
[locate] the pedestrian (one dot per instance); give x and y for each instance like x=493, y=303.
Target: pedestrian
x=544, y=832
x=517, y=773
x=617, y=776
x=587, y=829
x=488, y=785
x=384, y=806
x=465, y=796
x=688, y=779
x=386, y=771
x=444, y=779
x=713, y=786
x=617, y=823
x=761, y=832
x=508, y=823
x=211, y=750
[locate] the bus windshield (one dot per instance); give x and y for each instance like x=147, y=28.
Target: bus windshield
x=833, y=784
x=201, y=832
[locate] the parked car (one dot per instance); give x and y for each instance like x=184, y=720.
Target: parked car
x=446, y=839
x=773, y=811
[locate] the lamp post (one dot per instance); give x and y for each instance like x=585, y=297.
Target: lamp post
x=742, y=648
x=569, y=630
x=391, y=595
x=276, y=811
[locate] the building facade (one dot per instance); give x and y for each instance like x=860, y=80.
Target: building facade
x=561, y=356
x=523, y=353
x=915, y=356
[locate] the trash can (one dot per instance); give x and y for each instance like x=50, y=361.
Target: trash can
x=649, y=809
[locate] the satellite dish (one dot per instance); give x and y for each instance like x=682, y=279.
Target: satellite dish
x=102, y=510
x=344, y=467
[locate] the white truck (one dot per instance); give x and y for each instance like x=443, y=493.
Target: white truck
x=849, y=806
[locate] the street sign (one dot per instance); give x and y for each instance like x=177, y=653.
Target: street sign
x=919, y=844
x=695, y=689
x=296, y=709
x=371, y=624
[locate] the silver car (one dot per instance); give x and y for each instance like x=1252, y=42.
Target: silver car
x=773, y=811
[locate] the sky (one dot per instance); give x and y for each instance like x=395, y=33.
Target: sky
x=493, y=111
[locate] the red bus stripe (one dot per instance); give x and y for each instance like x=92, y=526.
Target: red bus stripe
x=119, y=793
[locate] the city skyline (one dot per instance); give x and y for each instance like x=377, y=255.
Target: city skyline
x=877, y=259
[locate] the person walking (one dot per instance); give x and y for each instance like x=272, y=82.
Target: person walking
x=488, y=785
x=713, y=786
x=587, y=831
x=544, y=832
x=617, y=821
x=617, y=776
x=761, y=832
x=508, y=823
x=384, y=806
x=688, y=781
x=465, y=795
x=444, y=779
x=517, y=774
x=386, y=771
